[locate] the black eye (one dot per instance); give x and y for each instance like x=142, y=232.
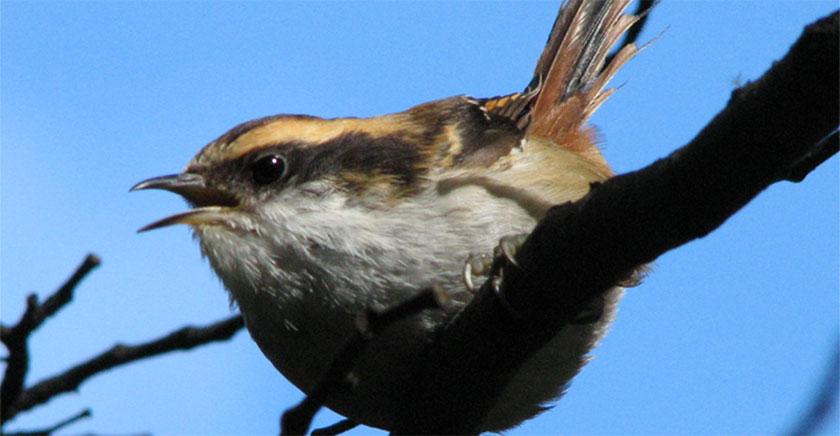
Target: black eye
x=268, y=169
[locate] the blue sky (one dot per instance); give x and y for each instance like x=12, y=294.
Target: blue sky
x=729, y=334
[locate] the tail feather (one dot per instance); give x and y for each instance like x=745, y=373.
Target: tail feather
x=570, y=75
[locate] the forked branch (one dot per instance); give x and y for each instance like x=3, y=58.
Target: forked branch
x=17, y=398
x=16, y=338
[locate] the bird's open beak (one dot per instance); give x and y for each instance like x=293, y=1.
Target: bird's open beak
x=210, y=204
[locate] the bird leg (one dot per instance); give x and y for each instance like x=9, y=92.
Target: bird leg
x=493, y=267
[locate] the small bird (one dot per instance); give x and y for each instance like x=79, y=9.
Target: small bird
x=310, y=221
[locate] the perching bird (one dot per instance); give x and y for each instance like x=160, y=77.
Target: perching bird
x=310, y=221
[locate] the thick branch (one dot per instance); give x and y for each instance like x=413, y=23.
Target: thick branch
x=182, y=339
x=582, y=249
x=16, y=338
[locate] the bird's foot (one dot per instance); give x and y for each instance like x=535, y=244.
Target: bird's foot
x=483, y=265
x=508, y=246
x=493, y=267
x=476, y=265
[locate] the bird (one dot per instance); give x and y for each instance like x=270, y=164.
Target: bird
x=309, y=221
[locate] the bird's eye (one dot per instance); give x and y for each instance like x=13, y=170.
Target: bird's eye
x=268, y=169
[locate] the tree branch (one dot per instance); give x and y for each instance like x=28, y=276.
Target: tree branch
x=55, y=427
x=825, y=149
x=16, y=338
x=69, y=380
x=582, y=249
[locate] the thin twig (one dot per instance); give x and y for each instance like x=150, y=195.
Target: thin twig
x=55, y=427
x=69, y=380
x=15, y=338
x=298, y=419
x=65, y=292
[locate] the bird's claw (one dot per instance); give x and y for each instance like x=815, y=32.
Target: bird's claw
x=508, y=246
x=476, y=265
x=493, y=267
x=484, y=265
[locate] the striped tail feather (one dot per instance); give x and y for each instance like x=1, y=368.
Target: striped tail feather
x=570, y=74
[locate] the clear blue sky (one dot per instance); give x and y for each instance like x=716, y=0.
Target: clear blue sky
x=729, y=334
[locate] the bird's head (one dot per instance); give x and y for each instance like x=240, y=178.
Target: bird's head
x=266, y=168
x=269, y=168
